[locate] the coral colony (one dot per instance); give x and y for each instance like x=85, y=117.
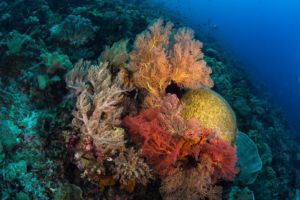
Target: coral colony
x=105, y=100
x=189, y=157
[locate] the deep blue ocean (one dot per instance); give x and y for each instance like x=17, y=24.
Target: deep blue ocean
x=261, y=34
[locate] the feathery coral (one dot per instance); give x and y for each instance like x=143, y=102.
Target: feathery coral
x=131, y=169
x=149, y=61
x=156, y=61
x=192, y=184
x=186, y=59
x=97, y=116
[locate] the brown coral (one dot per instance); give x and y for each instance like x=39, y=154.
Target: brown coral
x=97, y=116
x=116, y=55
x=130, y=169
x=192, y=184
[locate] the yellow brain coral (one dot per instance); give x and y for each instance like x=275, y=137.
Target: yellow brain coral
x=212, y=111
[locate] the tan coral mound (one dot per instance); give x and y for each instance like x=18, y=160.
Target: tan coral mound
x=212, y=111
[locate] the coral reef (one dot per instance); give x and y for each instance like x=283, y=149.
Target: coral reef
x=115, y=127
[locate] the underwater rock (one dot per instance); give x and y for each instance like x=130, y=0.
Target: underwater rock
x=249, y=160
x=212, y=111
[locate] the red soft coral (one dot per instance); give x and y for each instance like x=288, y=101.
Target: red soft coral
x=159, y=148
x=222, y=155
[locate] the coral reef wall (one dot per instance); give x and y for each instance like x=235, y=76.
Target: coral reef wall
x=95, y=101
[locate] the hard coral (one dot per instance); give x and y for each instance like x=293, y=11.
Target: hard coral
x=158, y=59
x=212, y=112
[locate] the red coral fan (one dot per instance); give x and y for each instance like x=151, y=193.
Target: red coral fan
x=160, y=149
x=223, y=156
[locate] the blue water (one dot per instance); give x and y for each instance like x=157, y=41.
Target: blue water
x=262, y=34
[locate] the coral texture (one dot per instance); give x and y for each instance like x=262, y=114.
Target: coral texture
x=212, y=111
x=163, y=149
x=157, y=59
x=192, y=184
x=130, y=169
x=97, y=114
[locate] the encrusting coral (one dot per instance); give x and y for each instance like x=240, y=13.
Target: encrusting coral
x=158, y=58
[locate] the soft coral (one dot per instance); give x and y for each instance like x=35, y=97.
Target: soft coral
x=221, y=154
x=159, y=148
x=158, y=59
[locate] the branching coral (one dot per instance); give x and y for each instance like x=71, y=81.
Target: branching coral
x=163, y=143
x=192, y=184
x=149, y=61
x=158, y=59
x=130, y=169
x=157, y=145
x=116, y=55
x=97, y=114
x=171, y=143
x=221, y=155
x=186, y=58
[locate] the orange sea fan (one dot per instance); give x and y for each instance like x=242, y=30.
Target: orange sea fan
x=188, y=67
x=149, y=61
